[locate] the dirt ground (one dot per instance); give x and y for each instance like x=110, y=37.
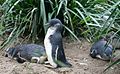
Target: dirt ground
x=77, y=55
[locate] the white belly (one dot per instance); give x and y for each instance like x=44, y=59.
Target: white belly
x=48, y=47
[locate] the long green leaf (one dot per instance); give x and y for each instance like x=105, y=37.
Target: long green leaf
x=72, y=33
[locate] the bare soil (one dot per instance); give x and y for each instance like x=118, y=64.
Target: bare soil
x=77, y=55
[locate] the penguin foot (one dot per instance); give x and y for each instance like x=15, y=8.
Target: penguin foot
x=49, y=66
x=35, y=59
x=63, y=64
x=68, y=64
x=47, y=62
x=42, y=59
x=39, y=60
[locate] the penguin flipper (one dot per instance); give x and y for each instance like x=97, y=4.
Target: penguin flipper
x=61, y=59
x=14, y=53
x=58, y=51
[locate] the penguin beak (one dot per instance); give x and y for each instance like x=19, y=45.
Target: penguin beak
x=47, y=25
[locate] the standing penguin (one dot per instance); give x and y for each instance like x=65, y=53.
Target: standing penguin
x=54, y=46
x=27, y=52
x=102, y=50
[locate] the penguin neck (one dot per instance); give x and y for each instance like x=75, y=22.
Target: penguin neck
x=52, y=30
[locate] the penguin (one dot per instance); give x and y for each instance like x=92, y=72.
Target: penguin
x=102, y=50
x=54, y=45
x=27, y=52
x=114, y=39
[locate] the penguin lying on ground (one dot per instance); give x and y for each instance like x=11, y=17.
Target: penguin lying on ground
x=54, y=46
x=101, y=50
x=27, y=52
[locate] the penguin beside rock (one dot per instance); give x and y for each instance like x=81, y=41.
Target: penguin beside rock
x=54, y=46
x=102, y=50
x=27, y=52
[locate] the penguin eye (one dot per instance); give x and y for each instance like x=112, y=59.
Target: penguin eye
x=6, y=55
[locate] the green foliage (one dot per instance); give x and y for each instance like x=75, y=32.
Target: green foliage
x=1, y=2
x=91, y=19
x=112, y=64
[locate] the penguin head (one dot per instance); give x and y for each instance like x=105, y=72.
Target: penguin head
x=9, y=52
x=55, y=24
